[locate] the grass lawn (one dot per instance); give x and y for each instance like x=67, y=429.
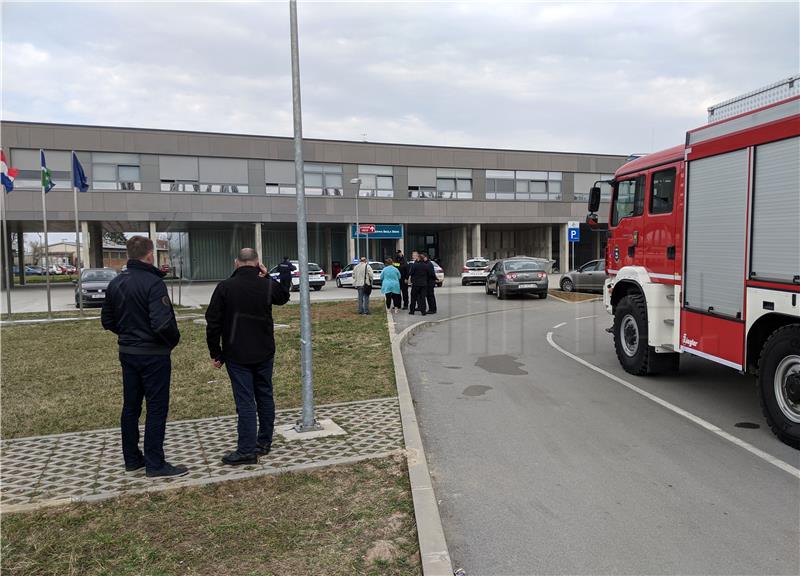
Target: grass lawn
x=260, y=526
x=54, y=279
x=65, y=377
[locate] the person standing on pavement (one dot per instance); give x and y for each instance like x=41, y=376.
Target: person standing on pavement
x=285, y=270
x=402, y=267
x=362, y=280
x=138, y=310
x=390, y=285
x=418, y=276
x=430, y=297
x=240, y=314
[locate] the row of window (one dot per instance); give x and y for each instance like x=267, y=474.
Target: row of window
x=630, y=198
x=523, y=185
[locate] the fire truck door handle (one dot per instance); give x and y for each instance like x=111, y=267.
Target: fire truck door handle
x=671, y=252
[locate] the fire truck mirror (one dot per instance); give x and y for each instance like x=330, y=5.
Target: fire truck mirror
x=591, y=220
x=594, y=199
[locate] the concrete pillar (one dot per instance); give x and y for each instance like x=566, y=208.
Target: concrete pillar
x=463, y=242
x=84, y=262
x=548, y=241
x=477, y=246
x=95, y=245
x=153, y=232
x=564, y=263
x=257, y=242
x=400, y=244
x=328, y=253
x=351, y=247
x=21, y=253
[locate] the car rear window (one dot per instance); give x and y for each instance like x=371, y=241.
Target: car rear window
x=314, y=267
x=523, y=266
x=98, y=275
x=376, y=266
x=476, y=263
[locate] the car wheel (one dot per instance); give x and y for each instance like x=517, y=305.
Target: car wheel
x=499, y=292
x=317, y=288
x=463, y=282
x=567, y=285
x=779, y=384
x=542, y=295
x=488, y=291
x=338, y=283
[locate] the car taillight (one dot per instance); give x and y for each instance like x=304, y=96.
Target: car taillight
x=512, y=275
x=466, y=269
x=296, y=273
x=542, y=274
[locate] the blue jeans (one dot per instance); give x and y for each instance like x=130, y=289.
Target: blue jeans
x=144, y=377
x=252, y=392
x=363, y=301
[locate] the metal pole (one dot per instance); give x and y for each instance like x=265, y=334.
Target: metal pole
x=77, y=236
x=8, y=267
x=46, y=244
x=308, y=423
x=180, y=262
x=358, y=232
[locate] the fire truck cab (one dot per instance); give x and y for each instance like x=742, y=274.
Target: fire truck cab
x=703, y=256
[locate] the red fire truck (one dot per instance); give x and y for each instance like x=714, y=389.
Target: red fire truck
x=703, y=256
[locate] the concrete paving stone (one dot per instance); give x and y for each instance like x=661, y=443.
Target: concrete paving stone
x=89, y=465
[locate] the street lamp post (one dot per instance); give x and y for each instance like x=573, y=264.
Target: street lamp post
x=357, y=182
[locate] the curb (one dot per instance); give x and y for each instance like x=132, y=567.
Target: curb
x=433, y=551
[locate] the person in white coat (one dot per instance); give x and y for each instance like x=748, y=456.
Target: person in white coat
x=362, y=280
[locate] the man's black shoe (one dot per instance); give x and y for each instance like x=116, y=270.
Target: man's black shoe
x=167, y=470
x=263, y=449
x=410, y=313
x=236, y=458
x=405, y=307
x=424, y=313
x=134, y=467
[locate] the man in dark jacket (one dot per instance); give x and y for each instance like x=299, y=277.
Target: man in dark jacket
x=418, y=275
x=430, y=297
x=240, y=313
x=402, y=264
x=137, y=309
x=285, y=270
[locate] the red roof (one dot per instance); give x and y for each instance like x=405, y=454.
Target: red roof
x=654, y=159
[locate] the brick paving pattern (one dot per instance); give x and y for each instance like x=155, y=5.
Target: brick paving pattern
x=45, y=470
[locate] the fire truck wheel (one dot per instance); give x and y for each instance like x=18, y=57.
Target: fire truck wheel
x=779, y=383
x=630, y=334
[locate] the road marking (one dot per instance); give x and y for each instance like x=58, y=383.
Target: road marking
x=557, y=326
x=777, y=462
x=586, y=317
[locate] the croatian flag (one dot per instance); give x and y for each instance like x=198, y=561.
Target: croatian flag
x=7, y=174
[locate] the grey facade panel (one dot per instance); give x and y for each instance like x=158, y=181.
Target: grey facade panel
x=223, y=170
x=179, y=168
x=776, y=211
x=715, y=233
x=279, y=171
x=421, y=176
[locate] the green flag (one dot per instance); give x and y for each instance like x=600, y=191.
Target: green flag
x=47, y=177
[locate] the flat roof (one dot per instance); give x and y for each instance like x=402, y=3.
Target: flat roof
x=306, y=139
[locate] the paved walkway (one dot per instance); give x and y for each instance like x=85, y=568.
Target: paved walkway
x=82, y=466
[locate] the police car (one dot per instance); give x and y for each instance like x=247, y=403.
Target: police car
x=316, y=275
x=344, y=279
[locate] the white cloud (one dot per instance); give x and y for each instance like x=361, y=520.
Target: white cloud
x=607, y=78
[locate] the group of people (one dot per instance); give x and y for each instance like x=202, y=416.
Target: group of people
x=397, y=277
x=239, y=335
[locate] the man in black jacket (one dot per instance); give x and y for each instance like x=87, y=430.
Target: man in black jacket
x=402, y=264
x=240, y=313
x=285, y=270
x=137, y=309
x=418, y=275
x=430, y=297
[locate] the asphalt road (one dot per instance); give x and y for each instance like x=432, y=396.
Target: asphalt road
x=544, y=466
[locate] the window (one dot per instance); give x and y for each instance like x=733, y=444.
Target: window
x=323, y=179
x=376, y=181
x=662, y=192
x=583, y=182
x=178, y=186
x=116, y=171
x=523, y=185
x=629, y=200
x=280, y=177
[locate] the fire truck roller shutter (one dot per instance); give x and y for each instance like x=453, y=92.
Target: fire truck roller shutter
x=776, y=211
x=716, y=215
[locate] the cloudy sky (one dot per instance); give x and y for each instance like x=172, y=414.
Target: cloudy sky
x=584, y=77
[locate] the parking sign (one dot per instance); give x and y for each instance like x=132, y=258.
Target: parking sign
x=573, y=231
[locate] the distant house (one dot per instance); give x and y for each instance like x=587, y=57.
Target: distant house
x=114, y=255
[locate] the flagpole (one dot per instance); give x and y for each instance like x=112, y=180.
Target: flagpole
x=46, y=244
x=7, y=266
x=77, y=236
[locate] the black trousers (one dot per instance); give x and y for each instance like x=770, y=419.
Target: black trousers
x=286, y=283
x=404, y=292
x=430, y=298
x=255, y=405
x=418, y=299
x=392, y=298
x=144, y=377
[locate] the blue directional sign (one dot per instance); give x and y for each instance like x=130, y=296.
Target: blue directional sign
x=377, y=231
x=574, y=234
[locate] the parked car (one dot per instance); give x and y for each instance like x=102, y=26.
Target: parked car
x=439, y=274
x=518, y=275
x=475, y=271
x=68, y=269
x=94, y=283
x=316, y=275
x=56, y=269
x=590, y=276
x=344, y=279
x=34, y=271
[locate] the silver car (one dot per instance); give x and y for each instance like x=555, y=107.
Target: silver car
x=94, y=284
x=590, y=276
